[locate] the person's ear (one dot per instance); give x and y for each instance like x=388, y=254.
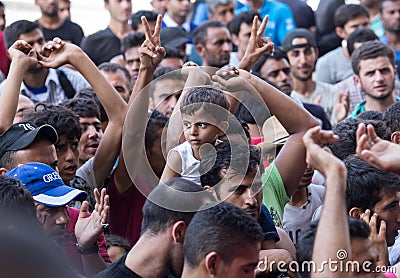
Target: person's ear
x=235, y=40
x=3, y=171
x=223, y=127
x=355, y=212
x=200, y=49
x=151, y=103
x=178, y=231
x=212, y=262
x=395, y=137
x=356, y=79
x=211, y=190
x=340, y=32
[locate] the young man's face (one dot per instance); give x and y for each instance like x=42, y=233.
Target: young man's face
x=224, y=13
x=302, y=60
x=164, y=100
x=390, y=16
x=119, y=81
x=48, y=7
x=178, y=8
x=362, y=250
x=376, y=77
x=68, y=157
x=217, y=49
x=64, y=10
x=352, y=25
x=36, y=39
x=242, y=39
x=278, y=72
x=243, y=265
x=388, y=209
x=120, y=10
x=53, y=219
x=242, y=192
x=132, y=62
x=159, y=6
x=90, y=139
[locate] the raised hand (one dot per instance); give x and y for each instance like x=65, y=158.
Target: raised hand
x=227, y=79
x=23, y=52
x=342, y=106
x=257, y=46
x=194, y=75
x=378, y=153
x=378, y=238
x=151, y=52
x=318, y=157
x=89, y=227
x=57, y=53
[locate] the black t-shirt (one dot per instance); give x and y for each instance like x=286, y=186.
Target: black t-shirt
x=101, y=46
x=118, y=269
x=68, y=31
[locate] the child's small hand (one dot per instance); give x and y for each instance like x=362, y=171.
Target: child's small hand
x=227, y=79
x=192, y=71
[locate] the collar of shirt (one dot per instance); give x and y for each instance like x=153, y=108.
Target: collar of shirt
x=169, y=22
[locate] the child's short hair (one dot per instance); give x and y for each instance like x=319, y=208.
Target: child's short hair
x=198, y=98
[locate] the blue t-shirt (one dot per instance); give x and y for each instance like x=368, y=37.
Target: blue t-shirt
x=267, y=225
x=280, y=22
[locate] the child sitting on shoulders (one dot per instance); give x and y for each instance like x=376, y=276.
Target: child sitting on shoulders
x=204, y=111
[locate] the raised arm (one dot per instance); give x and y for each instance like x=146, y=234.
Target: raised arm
x=151, y=54
x=88, y=229
x=23, y=57
x=334, y=216
x=296, y=120
x=60, y=53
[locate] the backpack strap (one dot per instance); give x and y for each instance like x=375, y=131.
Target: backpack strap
x=65, y=84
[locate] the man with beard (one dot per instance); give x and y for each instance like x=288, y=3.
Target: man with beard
x=375, y=73
x=302, y=53
x=53, y=25
x=390, y=17
x=42, y=84
x=213, y=43
x=275, y=69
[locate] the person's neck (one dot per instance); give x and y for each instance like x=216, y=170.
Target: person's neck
x=120, y=29
x=191, y=272
x=51, y=22
x=178, y=19
x=380, y=105
x=305, y=88
x=36, y=80
x=373, y=11
x=300, y=197
x=255, y=5
x=393, y=39
x=344, y=49
x=149, y=256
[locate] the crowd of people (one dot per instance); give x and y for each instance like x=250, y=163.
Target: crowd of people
x=208, y=138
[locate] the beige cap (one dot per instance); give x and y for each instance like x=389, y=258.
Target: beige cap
x=274, y=134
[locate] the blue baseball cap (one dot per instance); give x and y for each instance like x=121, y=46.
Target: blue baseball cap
x=46, y=185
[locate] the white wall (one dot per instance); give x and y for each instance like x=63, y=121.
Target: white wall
x=89, y=14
